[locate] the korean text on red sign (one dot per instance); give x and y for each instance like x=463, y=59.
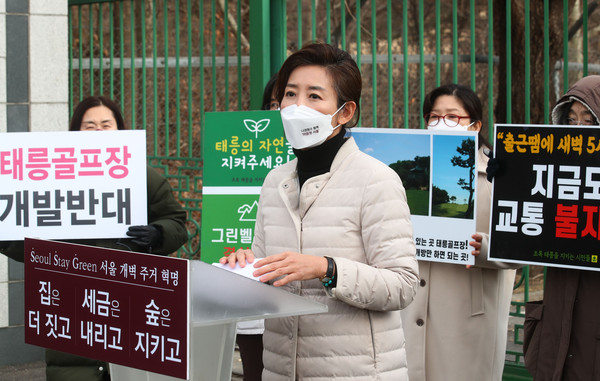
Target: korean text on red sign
x=116, y=306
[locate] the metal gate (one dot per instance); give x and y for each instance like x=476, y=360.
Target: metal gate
x=166, y=62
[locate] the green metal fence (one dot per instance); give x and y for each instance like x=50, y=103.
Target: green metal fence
x=168, y=61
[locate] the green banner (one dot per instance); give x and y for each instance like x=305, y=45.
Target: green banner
x=227, y=224
x=240, y=148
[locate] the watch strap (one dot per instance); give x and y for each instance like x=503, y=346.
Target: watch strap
x=327, y=279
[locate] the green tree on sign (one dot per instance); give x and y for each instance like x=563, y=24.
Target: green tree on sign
x=466, y=159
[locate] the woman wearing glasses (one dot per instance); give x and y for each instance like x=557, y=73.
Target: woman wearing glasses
x=456, y=326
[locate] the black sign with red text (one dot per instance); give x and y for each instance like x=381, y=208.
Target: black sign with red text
x=546, y=196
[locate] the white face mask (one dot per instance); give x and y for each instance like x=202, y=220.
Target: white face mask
x=442, y=126
x=305, y=127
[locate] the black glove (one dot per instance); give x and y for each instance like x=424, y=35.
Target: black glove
x=493, y=166
x=145, y=235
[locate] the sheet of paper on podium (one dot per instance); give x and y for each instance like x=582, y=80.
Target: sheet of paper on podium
x=245, y=271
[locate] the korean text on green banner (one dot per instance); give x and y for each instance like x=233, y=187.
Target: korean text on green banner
x=546, y=196
x=240, y=148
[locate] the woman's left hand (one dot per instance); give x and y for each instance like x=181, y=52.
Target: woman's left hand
x=290, y=266
x=476, y=246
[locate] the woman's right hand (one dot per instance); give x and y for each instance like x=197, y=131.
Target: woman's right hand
x=241, y=256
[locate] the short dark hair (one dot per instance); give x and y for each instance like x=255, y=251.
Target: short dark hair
x=339, y=65
x=268, y=92
x=469, y=100
x=95, y=101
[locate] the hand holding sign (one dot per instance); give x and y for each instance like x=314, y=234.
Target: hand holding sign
x=145, y=235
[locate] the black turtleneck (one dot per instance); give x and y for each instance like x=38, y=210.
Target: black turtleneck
x=317, y=160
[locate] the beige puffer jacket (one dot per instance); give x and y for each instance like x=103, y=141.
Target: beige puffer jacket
x=357, y=214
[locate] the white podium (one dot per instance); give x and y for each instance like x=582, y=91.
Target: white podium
x=219, y=299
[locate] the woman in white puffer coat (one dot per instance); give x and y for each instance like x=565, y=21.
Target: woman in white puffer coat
x=333, y=225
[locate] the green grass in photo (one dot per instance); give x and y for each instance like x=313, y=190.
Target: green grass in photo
x=418, y=201
x=449, y=210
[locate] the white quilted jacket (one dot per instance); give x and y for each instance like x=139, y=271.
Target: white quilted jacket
x=357, y=214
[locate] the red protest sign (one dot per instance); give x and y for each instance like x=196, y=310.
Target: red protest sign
x=116, y=306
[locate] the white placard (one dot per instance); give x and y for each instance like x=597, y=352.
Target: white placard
x=72, y=185
x=429, y=162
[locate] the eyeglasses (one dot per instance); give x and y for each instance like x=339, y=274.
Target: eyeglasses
x=451, y=120
x=272, y=105
x=585, y=122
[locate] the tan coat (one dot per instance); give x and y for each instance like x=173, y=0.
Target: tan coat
x=457, y=325
x=357, y=214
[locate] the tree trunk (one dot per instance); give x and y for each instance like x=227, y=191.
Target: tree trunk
x=517, y=54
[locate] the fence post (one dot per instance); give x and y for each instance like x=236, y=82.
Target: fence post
x=278, y=35
x=260, y=54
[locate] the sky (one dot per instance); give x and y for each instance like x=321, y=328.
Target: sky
x=389, y=147
x=393, y=145
x=445, y=175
